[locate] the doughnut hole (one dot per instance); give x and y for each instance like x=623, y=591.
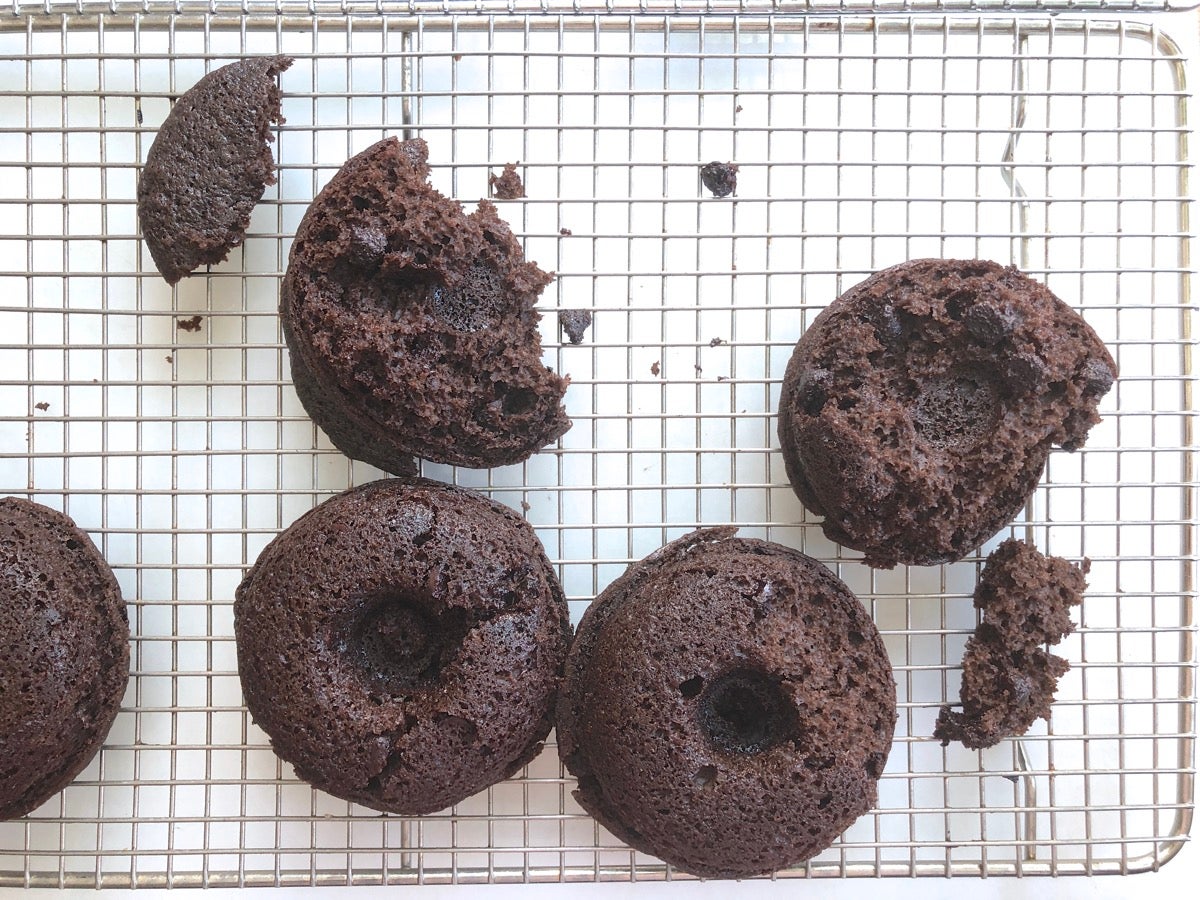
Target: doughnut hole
x=745, y=711
x=399, y=645
x=954, y=412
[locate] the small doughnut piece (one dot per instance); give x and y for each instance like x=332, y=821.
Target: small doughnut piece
x=1024, y=599
x=401, y=644
x=918, y=410
x=209, y=165
x=411, y=325
x=727, y=706
x=64, y=653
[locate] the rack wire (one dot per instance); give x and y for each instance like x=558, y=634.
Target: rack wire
x=1057, y=144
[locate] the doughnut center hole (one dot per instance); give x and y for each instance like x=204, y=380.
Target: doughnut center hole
x=746, y=711
x=400, y=645
x=954, y=412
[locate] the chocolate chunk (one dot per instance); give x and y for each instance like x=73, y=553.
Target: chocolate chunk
x=989, y=324
x=367, y=246
x=720, y=178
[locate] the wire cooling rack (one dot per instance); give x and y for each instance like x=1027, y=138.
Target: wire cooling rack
x=164, y=422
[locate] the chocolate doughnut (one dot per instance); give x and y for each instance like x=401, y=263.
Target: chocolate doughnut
x=64, y=653
x=918, y=410
x=401, y=644
x=727, y=706
x=411, y=325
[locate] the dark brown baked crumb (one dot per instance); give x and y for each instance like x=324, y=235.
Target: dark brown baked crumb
x=43, y=406
x=565, y=232
x=655, y=368
x=192, y=324
x=716, y=342
x=507, y=185
x=575, y=322
x=720, y=178
x=1024, y=599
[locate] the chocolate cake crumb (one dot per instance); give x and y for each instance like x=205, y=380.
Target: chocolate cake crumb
x=716, y=342
x=575, y=322
x=655, y=368
x=720, y=178
x=565, y=232
x=507, y=185
x=1024, y=599
x=43, y=406
x=192, y=324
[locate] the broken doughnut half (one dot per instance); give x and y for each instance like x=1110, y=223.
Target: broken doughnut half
x=918, y=410
x=411, y=324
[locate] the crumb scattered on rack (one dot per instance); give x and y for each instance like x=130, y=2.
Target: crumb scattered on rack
x=699, y=371
x=716, y=342
x=525, y=505
x=722, y=378
x=655, y=368
x=738, y=108
x=507, y=185
x=169, y=358
x=575, y=322
x=720, y=178
x=43, y=406
x=565, y=232
x=192, y=324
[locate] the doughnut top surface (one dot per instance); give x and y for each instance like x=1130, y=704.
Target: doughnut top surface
x=411, y=324
x=209, y=165
x=64, y=653
x=918, y=410
x=401, y=644
x=727, y=706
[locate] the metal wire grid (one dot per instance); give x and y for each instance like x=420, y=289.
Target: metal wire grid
x=1060, y=145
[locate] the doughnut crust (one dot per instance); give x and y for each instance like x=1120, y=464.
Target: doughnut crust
x=401, y=644
x=918, y=410
x=64, y=653
x=411, y=325
x=209, y=165
x=727, y=706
